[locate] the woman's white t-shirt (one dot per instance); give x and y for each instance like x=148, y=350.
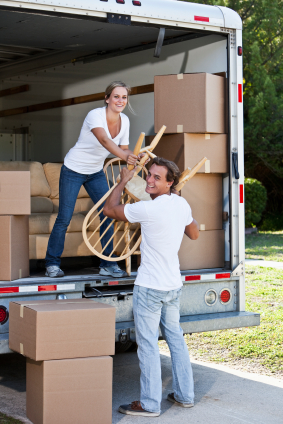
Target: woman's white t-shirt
x=88, y=155
x=163, y=222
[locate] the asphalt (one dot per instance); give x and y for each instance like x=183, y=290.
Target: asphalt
x=222, y=395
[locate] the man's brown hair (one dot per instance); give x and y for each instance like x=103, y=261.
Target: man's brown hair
x=173, y=172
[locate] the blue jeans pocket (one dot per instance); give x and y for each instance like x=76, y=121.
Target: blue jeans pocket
x=154, y=300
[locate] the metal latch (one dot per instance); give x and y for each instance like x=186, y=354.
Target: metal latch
x=123, y=337
x=116, y=18
x=239, y=270
x=235, y=165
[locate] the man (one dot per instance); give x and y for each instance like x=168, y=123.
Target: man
x=157, y=291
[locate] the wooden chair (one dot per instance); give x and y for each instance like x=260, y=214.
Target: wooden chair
x=127, y=243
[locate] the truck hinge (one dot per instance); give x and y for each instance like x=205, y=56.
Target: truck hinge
x=239, y=270
x=116, y=18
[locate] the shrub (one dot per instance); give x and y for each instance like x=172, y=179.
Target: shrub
x=255, y=201
x=272, y=222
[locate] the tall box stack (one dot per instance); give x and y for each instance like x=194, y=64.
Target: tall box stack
x=192, y=106
x=69, y=371
x=14, y=232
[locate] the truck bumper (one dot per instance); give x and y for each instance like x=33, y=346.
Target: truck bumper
x=199, y=323
x=189, y=323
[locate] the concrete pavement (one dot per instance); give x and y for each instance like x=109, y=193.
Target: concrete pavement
x=223, y=395
x=261, y=262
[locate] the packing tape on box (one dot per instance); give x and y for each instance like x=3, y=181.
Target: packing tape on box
x=180, y=76
x=180, y=128
x=36, y=304
x=207, y=136
x=207, y=166
x=21, y=349
x=202, y=227
x=20, y=273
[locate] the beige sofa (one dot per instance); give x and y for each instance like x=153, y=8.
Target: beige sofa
x=44, y=208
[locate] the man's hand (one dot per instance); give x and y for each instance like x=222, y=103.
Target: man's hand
x=126, y=175
x=141, y=155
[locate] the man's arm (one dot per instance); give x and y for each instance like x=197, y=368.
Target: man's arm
x=112, y=207
x=192, y=230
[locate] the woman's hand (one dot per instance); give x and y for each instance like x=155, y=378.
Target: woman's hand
x=131, y=159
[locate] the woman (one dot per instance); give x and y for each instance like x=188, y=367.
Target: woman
x=105, y=130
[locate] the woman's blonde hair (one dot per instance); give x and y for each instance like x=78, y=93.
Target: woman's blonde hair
x=112, y=86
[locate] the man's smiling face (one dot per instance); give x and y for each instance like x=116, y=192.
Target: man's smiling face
x=157, y=183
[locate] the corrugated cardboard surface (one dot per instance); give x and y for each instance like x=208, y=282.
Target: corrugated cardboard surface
x=193, y=103
x=205, y=252
x=14, y=247
x=73, y=391
x=204, y=194
x=186, y=150
x=59, y=329
x=14, y=192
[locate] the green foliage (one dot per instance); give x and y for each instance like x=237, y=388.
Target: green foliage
x=263, y=91
x=255, y=201
x=272, y=222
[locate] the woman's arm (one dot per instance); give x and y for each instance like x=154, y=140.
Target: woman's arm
x=123, y=153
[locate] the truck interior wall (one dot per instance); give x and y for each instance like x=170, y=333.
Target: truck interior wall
x=54, y=132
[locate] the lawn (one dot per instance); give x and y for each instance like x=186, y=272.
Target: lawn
x=4, y=419
x=265, y=245
x=253, y=349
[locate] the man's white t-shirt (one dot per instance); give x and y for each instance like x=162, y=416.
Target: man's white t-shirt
x=88, y=155
x=163, y=221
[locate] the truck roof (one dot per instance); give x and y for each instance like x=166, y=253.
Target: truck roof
x=162, y=10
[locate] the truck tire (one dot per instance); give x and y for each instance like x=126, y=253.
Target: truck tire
x=123, y=347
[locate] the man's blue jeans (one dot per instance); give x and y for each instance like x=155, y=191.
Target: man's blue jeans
x=151, y=309
x=69, y=187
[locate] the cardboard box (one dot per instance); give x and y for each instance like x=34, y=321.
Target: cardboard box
x=186, y=150
x=14, y=192
x=59, y=329
x=193, y=103
x=204, y=194
x=73, y=391
x=14, y=247
x=205, y=252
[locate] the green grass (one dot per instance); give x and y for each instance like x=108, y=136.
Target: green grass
x=265, y=245
x=259, y=347
x=4, y=419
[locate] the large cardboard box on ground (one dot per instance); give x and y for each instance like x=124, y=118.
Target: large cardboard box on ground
x=73, y=391
x=59, y=329
x=186, y=150
x=205, y=252
x=14, y=247
x=204, y=194
x=14, y=193
x=192, y=103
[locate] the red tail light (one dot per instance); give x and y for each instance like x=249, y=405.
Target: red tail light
x=225, y=296
x=4, y=314
x=120, y=1
x=136, y=3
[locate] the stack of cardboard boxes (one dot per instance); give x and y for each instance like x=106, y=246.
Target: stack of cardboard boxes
x=69, y=371
x=192, y=106
x=14, y=230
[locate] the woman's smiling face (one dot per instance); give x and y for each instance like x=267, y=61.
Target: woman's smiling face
x=118, y=99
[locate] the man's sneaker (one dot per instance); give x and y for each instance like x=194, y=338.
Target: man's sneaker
x=135, y=408
x=113, y=271
x=171, y=398
x=53, y=271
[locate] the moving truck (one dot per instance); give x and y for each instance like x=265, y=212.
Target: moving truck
x=55, y=56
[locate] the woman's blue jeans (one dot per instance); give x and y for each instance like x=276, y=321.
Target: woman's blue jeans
x=69, y=187
x=154, y=308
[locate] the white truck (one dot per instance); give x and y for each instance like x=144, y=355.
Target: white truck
x=66, y=49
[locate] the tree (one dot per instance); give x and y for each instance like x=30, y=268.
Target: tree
x=263, y=91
